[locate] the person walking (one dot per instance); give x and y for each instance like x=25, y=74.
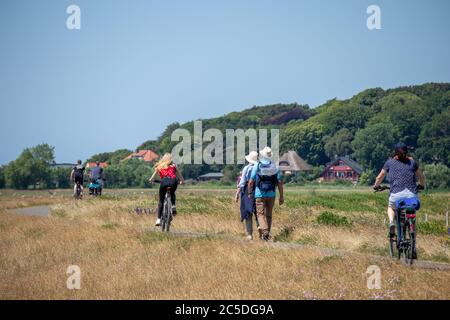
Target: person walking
x=247, y=205
x=264, y=179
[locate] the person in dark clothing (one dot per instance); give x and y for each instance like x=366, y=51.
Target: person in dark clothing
x=77, y=176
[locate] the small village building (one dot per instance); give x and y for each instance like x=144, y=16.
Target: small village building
x=291, y=163
x=144, y=155
x=342, y=168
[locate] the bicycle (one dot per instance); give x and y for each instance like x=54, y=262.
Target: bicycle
x=167, y=213
x=78, y=193
x=404, y=243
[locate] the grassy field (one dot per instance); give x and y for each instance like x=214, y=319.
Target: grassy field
x=121, y=255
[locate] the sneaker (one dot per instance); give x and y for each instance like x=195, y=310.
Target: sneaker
x=249, y=237
x=265, y=237
x=158, y=222
x=391, y=230
x=174, y=210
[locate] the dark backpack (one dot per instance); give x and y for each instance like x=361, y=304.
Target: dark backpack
x=266, y=183
x=78, y=172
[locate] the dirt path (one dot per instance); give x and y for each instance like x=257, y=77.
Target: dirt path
x=41, y=211
x=423, y=264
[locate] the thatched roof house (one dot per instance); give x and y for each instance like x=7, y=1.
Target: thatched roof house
x=291, y=162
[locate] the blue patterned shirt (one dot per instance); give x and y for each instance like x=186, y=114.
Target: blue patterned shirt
x=401, y=175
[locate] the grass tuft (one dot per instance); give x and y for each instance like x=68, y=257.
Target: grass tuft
x=332, y=219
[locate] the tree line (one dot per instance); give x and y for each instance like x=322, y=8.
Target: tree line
x=364, y=127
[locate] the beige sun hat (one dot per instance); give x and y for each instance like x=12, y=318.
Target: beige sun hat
x=265, y=154
x=252, y=157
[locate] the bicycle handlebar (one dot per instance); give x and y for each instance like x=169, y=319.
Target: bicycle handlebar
x=382, y=188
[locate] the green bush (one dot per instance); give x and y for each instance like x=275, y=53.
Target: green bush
x=2, y=177
x=367, y=177
x=431, y=227
x=437, y=175
x=330, y=218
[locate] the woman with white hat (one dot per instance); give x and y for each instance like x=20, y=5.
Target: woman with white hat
x=247, y=201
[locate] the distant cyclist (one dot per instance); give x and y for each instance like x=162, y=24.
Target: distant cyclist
x=170, y=176
x=77, y=176
x=96, y=173
x=401, y=171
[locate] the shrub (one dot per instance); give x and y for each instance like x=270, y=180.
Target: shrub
x=330, y=218
x=431, y=227
x=438, y=176
x=367, y=177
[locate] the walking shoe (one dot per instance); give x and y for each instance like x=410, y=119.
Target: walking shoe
x=265, y=237
x=391, y=230
x=174, y=210
x=249, y=237
x=158, y=222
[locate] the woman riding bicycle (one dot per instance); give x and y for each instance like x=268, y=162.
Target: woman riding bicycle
x=170, y=176
x=401, y=171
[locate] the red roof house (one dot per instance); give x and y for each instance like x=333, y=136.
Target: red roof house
x=144, y=155
x=342, y=168
x=93, y=164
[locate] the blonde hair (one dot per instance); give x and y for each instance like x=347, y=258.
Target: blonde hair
x=164, y=163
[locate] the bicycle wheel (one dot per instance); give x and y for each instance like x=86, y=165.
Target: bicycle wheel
x=411, y=246
x=392, y=246
x=163, y=217
x=168, y=213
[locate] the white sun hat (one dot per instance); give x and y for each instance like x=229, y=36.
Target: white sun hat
x=265, y=155
x=252, y=157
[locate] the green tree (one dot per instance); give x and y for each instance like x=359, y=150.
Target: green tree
x=437, y=175
x=118, y=156
x=61, y=177
x=406, y=112
x=2, y=177
x=339, y=144
x=434, y=139
x=32, y=167
x=374, y=144
x=307, y=139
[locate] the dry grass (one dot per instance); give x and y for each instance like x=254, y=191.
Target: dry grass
x=122, y=256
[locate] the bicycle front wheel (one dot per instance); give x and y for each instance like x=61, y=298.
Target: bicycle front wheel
x=412, y=246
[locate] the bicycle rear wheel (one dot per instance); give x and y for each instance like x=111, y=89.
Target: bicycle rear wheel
x=411, y=247
x=168, y=213
x=392, y=246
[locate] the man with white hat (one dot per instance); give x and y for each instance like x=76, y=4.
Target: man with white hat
x=265, y=177
x=247, y=206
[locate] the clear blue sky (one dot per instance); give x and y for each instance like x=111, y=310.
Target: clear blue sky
x=136, y=66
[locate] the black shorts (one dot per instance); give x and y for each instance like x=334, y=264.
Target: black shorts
x=79, y=180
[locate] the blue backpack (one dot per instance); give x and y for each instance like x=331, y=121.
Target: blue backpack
x=266, y=177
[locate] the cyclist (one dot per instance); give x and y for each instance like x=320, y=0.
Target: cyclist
x=170, y=176
x=247, y=206
x=264, y=178
x=401, y=171
x=77, y=176
x=96, y=174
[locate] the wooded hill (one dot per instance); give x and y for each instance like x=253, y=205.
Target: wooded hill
x=365, y=127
